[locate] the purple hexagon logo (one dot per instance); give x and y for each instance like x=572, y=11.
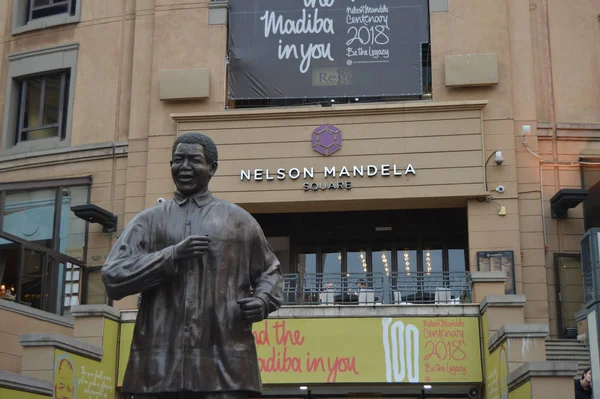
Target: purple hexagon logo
x=326, y=139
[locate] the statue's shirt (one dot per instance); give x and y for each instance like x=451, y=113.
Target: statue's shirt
x=190, y=334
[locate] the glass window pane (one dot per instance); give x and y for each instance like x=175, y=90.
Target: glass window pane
x=9, y=267
x=32, y=280
x=407, y=261
x=52, y=99
x=39, y=134
x=432, y=261
x=357, y=266
x=381, y=260
x=306, y=262
x=457, y=277
x=456, y=261
x=30, y=215
x=38, y=3
x=59, y=8
x=332, y=261
x=331, y=258
x=33, y=92
x=433, y=281
x=72, y=228
x=405, y=283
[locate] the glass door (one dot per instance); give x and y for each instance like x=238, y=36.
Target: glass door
x=569, y=290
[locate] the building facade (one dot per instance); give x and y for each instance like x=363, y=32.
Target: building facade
x=367, y=198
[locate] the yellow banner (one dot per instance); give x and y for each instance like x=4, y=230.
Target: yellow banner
x=496, y=366
x=522, y=392
x=6, y=393
x=79, y=377
x=369, y=350
x=361, y=350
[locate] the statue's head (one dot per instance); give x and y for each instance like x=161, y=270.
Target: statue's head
x=194, y=161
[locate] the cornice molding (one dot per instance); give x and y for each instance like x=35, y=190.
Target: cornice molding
x=336, y=110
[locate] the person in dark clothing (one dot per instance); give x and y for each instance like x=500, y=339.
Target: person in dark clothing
x=583, y=386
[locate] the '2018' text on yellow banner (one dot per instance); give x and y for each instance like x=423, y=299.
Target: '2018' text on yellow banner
x=369, y=350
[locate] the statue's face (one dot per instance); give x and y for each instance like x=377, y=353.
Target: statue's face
x=191, y=173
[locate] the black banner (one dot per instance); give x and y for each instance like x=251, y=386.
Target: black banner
x=326, y=48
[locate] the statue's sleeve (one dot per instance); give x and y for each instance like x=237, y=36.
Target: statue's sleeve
x=265, y=271
x=130, y=267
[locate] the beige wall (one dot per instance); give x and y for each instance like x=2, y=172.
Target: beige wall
x=547, y=52
x=12, y=326
x=442, y=142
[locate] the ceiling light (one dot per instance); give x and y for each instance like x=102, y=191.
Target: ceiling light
x=303, y=387
x=426, y=386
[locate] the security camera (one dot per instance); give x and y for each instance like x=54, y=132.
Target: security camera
x=473, y=393
x=500, y=189
x=160, y=200
x=499, y=158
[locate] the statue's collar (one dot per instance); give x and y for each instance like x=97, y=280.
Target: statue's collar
x=199, y=199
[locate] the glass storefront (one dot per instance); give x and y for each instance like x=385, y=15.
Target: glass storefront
x=416, y=256
x=42, y=243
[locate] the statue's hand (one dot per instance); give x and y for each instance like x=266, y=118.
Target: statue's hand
x=253, y=309
x=191, y=247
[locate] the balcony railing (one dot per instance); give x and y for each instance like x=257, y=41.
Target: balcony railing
x=377, y=288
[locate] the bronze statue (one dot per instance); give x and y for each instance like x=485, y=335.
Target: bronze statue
x=206, y=273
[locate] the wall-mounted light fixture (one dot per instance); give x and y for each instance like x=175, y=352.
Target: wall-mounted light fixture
x=94, y=214
x=499, y=158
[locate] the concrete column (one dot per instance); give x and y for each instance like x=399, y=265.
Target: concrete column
x=499, y=310
x=540, y=380
x=487, y=284
x=522, y=343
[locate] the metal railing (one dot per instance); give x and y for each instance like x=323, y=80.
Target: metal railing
x=431, y=288
x=343, y=289
x=400, y=288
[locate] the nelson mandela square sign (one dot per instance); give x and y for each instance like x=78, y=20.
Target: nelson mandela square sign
x=326, y=48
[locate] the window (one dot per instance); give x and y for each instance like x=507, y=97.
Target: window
x=404, y=256
x=72, y=284
x=45, y=8
x=42, y=107
x=39, y=100
x=31, y=15
x=42, y=243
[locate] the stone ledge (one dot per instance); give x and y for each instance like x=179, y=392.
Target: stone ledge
x=62, y=342
x=582, y=315
x=517, y=331
x=218, y=4
x=540, y=369
x=218, y=12
x=62, y=155
x=488, y=277
x=96, y=311
x=36, y=313
x=128, y=316
x=347, y=311
x=502, y=301
x=335, y=110
x=22, y=383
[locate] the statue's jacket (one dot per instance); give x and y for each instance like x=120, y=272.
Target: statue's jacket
x=190, y=334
